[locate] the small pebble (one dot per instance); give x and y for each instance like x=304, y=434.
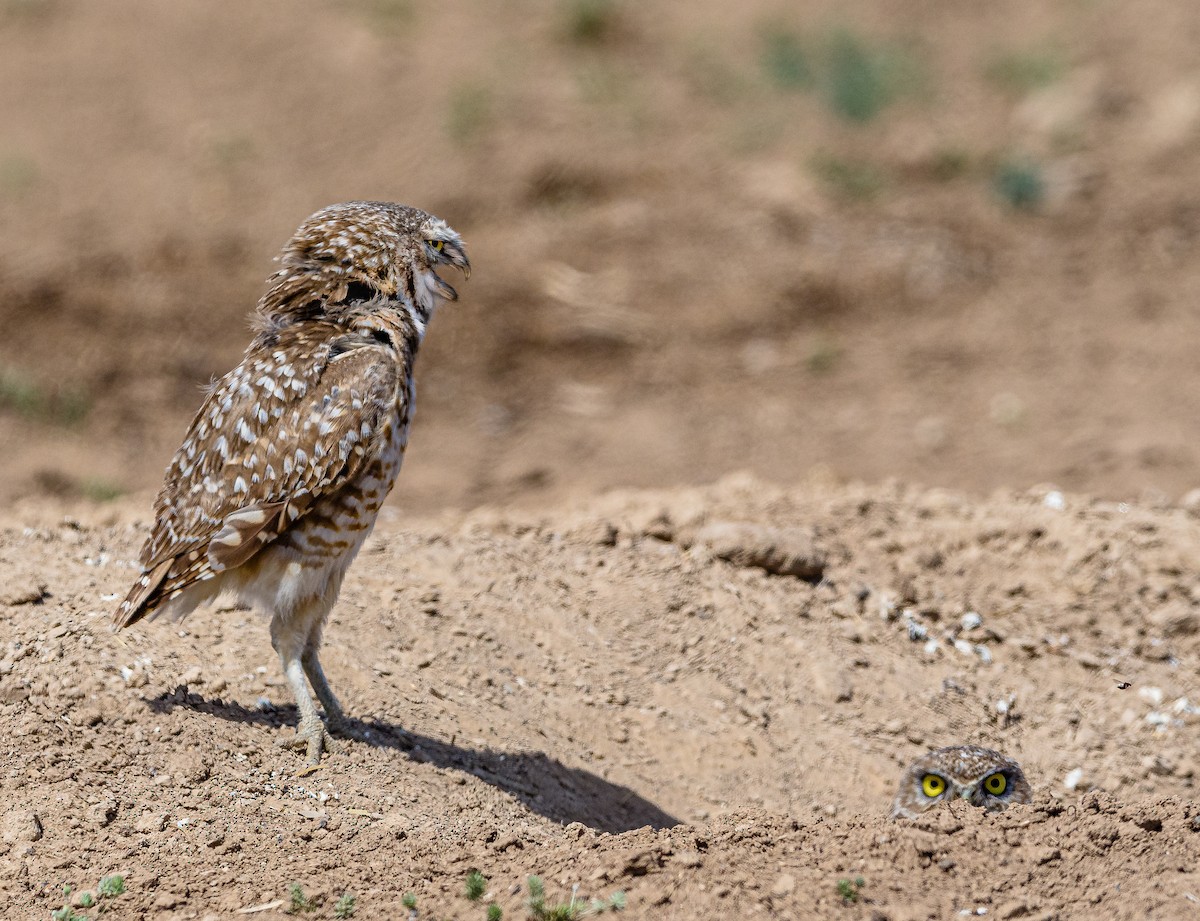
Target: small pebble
x=1054, y=500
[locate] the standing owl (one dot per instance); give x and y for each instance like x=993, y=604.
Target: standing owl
x=979, y=775
x=284, y=468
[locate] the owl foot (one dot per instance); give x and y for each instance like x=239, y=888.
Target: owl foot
x=312, y=737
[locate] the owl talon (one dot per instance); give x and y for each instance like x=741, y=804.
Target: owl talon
x=315, y=740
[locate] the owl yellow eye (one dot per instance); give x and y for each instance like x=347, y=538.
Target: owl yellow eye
x=932, y=785
x=995, y=784
x=438, y=245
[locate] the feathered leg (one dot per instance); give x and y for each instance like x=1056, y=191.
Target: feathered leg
x=335, y=717
x=290, y=636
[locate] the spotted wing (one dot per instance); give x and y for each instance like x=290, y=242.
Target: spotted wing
x=294, y=422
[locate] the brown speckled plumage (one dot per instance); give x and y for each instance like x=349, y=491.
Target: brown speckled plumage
x=281, y=474
x=963, y=770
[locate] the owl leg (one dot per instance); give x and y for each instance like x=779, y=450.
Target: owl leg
x=335, y=717
x=313, y=626
x=289, y=643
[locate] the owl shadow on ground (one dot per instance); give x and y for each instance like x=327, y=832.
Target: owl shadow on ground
x=541, y=783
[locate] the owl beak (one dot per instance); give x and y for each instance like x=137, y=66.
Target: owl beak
x=459, y=258
x=443, y=289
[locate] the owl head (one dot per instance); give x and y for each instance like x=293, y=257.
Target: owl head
x=354, y=252
x=980, y=776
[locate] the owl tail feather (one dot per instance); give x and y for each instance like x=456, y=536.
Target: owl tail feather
x=138, y=603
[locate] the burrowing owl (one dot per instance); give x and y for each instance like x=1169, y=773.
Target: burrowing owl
x=979, y=775
x=283, y=470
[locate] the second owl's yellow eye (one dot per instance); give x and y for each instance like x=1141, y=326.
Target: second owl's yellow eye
x=437, y=245
x=932, y=785
x=995, y=784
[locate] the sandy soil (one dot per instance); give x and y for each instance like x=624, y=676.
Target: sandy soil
x=619, y=697
x=687, y=264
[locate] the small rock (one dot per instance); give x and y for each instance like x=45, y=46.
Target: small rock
x=102, y=813
x=601, y=533
x=642, y=862
x=148, y=822
x=781, y=552
x=1017, y=908
x=23, y=590
x=690, y=859
x=192, y=768
x=165, y=901
x=192, y=676
x=20, y=826
x=508, y=841
x=784, y=885
x=89, y=716
x=13, y=693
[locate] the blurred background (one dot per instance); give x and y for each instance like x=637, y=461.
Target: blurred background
x=953, y=243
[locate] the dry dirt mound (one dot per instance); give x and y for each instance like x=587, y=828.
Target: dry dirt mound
x=638, y=694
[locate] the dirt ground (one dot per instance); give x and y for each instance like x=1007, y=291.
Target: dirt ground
x=618, y=697
x=803, y=255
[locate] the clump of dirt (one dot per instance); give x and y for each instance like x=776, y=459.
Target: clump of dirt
x=595, y=695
